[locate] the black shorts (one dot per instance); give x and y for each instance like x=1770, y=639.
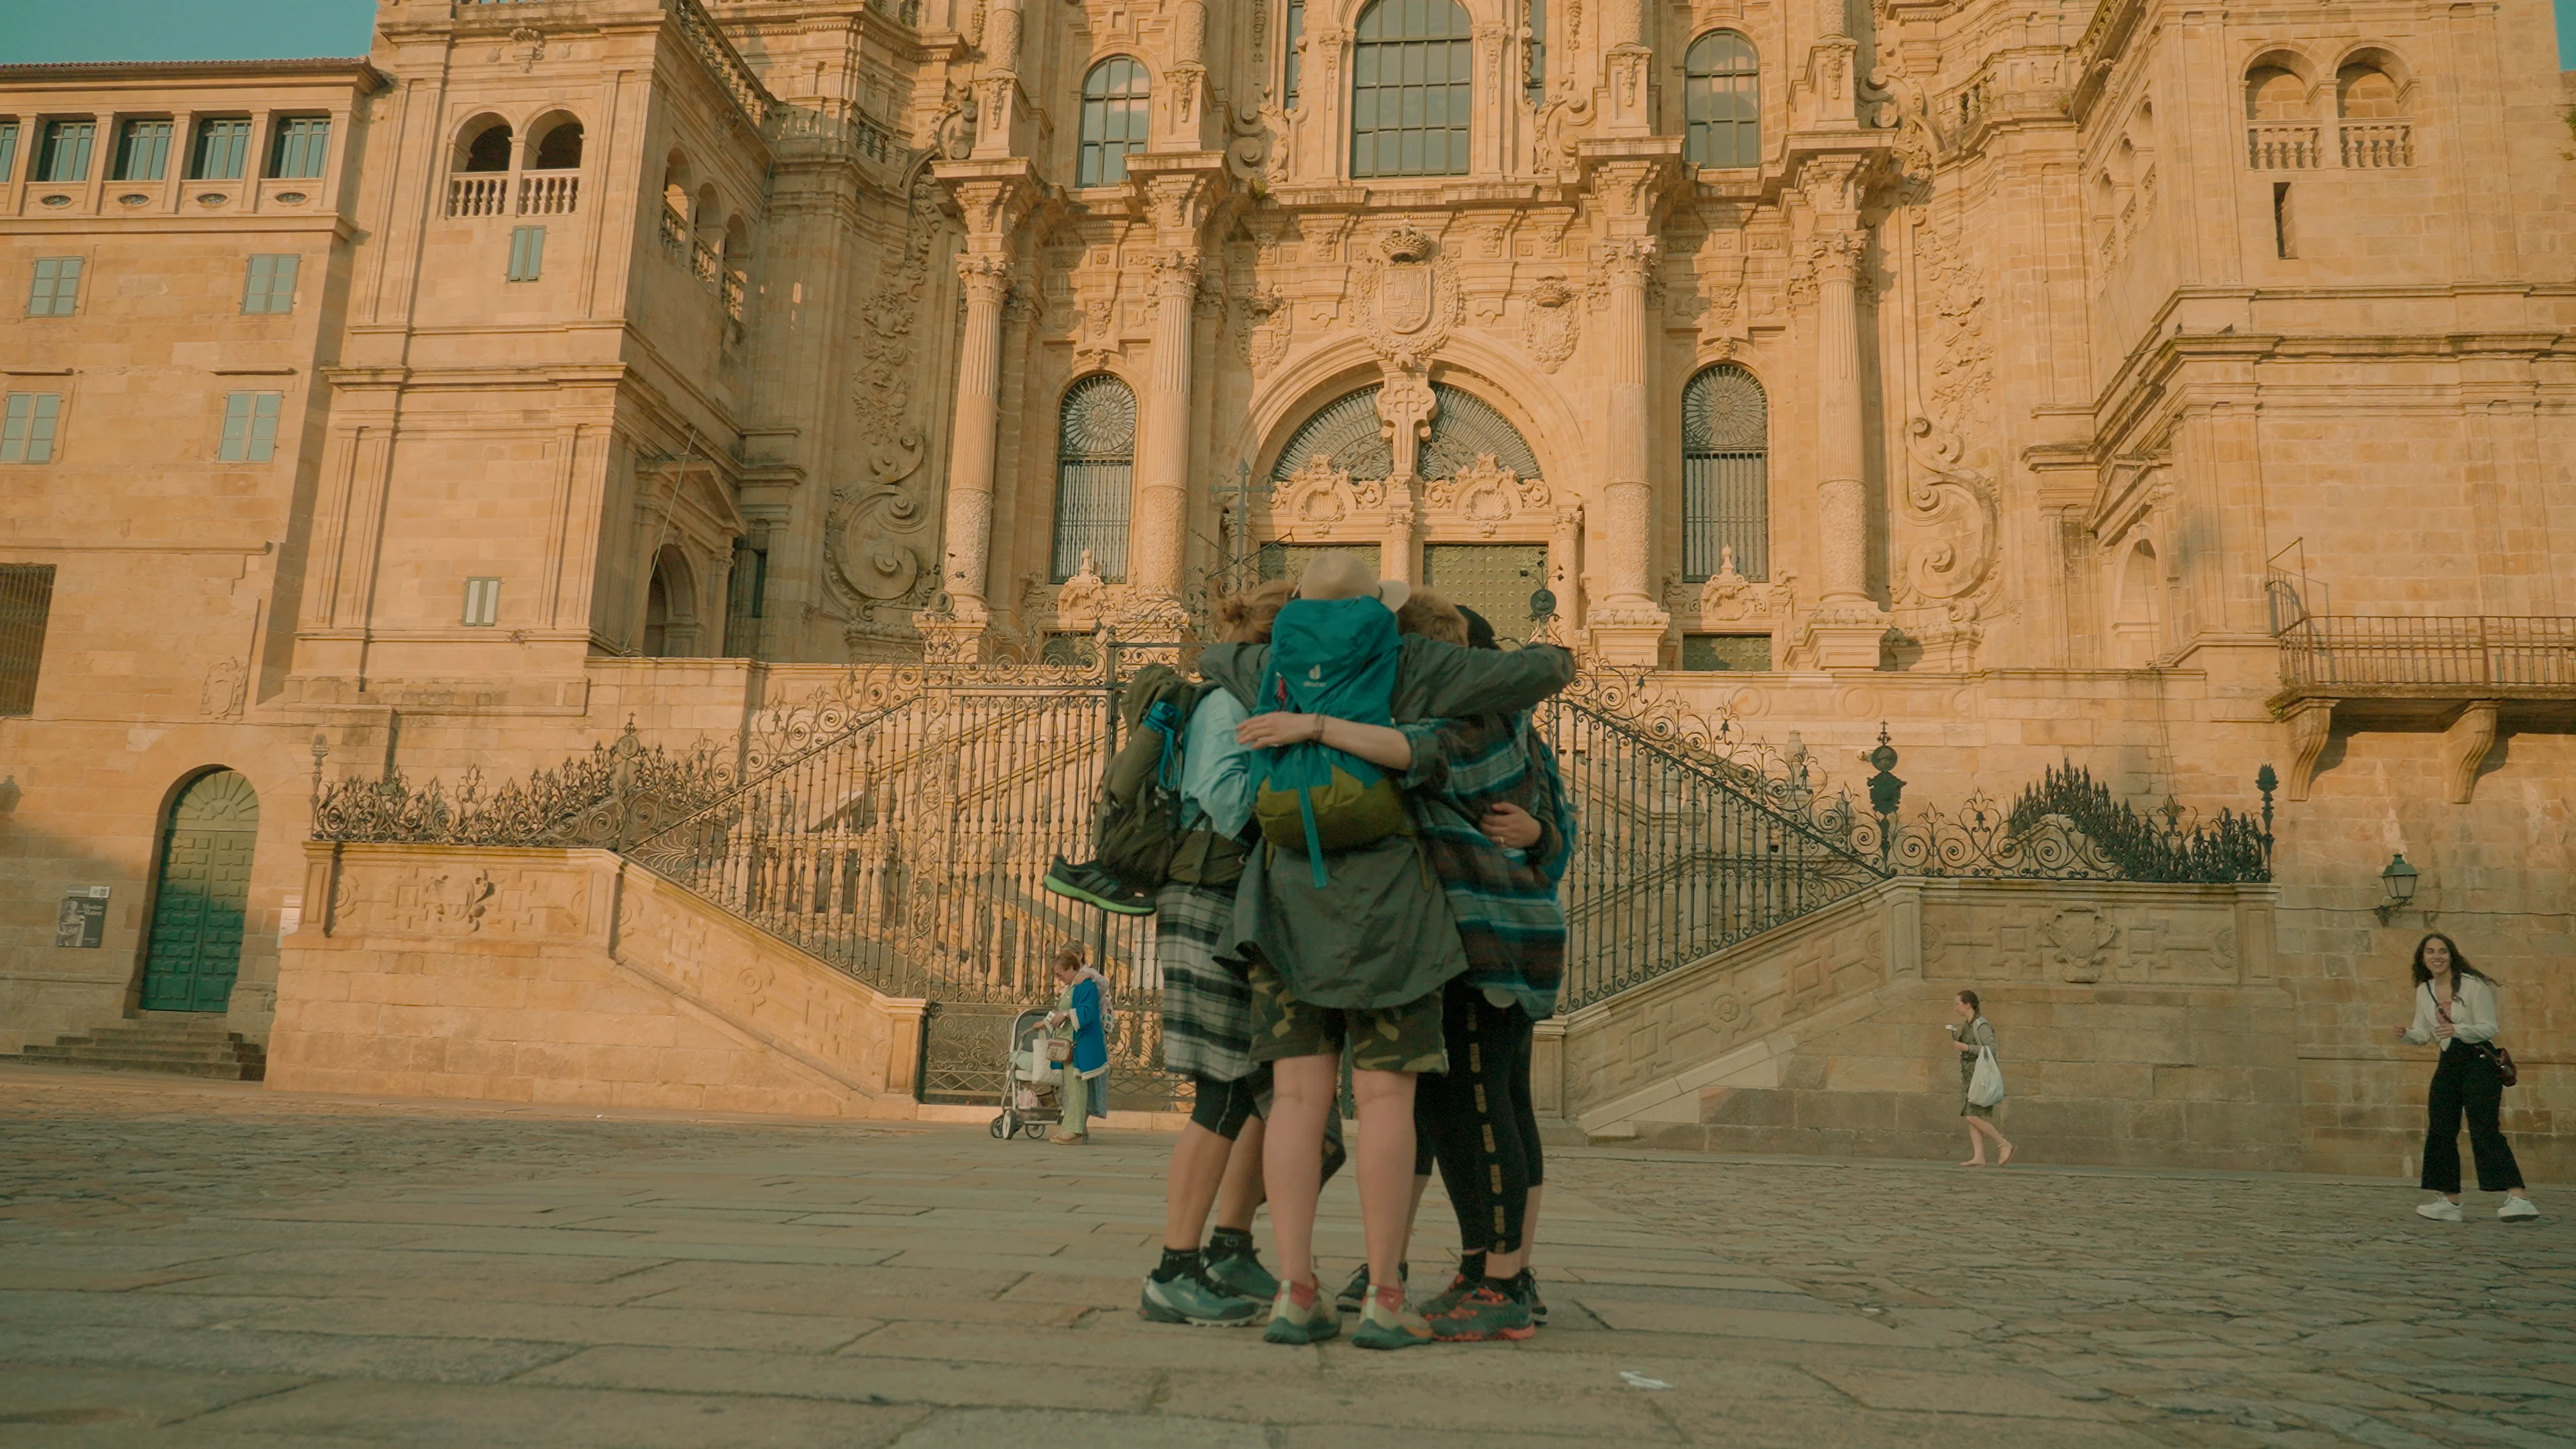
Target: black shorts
x=1223, y=1107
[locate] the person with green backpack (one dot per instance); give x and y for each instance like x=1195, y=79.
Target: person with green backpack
x=1354, y=935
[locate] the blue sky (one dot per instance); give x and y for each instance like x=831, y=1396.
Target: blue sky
x=256, y=29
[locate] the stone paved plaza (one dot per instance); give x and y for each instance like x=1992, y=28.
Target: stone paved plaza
x=211, y=1264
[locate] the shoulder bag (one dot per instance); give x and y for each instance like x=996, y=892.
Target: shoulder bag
x=2506, y=1072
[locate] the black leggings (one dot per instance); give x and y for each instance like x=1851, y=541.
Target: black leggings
x=1478, y=1120
x=1223, y=1107
x=2467, y=1079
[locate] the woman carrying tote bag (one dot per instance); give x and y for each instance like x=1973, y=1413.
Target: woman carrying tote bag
x=2455, y=1005
x=1975, y=1039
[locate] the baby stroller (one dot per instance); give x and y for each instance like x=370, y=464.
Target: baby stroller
x=1029, y=1102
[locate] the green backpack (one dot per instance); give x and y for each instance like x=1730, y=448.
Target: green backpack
x=1136, y=834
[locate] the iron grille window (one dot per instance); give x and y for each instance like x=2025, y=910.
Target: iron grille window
x=303, y=142
x=26, y=597
x=1095, y=464
x=1722, y=101
x=8, y=151
x=55, y=292
x=1534, y=77
x=1726, y=477
x=27, y=422
x=66, y=153
x=250, y=427
x=1410, y=92
x=527, y=253
x=143, y=151
x=270, y=285
x=1113, y=120
x=223, y=147
x=1290, y=62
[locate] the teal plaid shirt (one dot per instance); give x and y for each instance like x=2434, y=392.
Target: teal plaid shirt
x=1509, y=918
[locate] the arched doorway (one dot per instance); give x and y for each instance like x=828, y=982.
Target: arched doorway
x=1486, y=519
x=201, y=895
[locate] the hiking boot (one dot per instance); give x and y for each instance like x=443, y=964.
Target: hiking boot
x=1525, y=1288
x=1484, y=1312
x=1090, y=884
x=1238, y=1270
x=1355, y=1292
x=1187, y=1298
x=2516, y=1209
x=1460, y=1285
x=2440, y=1210
x=1390, y=1325
x=1291, y=1324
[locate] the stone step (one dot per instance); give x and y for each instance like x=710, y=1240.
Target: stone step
x=229, y=1071
x=155, y=1031
x=76, y=1049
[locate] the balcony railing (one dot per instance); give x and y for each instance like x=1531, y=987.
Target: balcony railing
x=675, y=236
x=549, y=193
x=705, y=263
x=2275, y=147
x=478, y=196
x=2372, y=145
x=2458, y=652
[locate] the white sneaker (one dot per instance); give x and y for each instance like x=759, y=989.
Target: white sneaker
x=2443, y=1210
x=2517, y=1209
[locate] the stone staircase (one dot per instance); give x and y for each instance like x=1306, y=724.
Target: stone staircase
x=181, y=1044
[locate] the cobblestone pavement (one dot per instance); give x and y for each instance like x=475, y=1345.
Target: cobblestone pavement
x=208, y=1264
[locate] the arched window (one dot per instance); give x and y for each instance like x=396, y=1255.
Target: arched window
x=1410, y=94
x=2274, y=94
x=1113, y=120
x=671, y=606
x=1726, y=474
x=1291, y=59
x=559, y=149
x=1095, y=464
x=489, y=150
x=2374, y=130
x=1722, y=101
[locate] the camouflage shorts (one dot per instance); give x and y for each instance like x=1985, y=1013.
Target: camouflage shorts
x=1405, y=1038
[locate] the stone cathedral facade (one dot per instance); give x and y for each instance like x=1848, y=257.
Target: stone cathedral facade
x=2171, y=391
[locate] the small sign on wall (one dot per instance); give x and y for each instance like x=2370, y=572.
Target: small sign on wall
x=82, y=923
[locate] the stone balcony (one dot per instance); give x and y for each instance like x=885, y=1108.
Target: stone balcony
x=2471, y=676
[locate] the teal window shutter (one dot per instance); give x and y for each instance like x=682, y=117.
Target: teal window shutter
x=66, y=154
x=527, y=253
x=223, y=145
x=303, y=143
x=27, y=427
x=56, y=290
x=270, y=286
x=250, y=427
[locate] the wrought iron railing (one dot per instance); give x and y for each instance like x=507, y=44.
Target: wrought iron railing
x=2461, y=651
x=899, y=824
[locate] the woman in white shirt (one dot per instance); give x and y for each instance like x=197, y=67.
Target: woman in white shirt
x=2455, y=1005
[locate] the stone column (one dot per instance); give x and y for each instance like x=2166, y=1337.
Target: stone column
x=1158, y=537
x=1628, y=625
x=968, y=534
x=1844, y=631
x=997, y=90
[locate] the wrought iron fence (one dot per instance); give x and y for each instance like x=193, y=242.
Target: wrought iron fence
x=2337, y=651
x=899, y=825
x=1679, y=854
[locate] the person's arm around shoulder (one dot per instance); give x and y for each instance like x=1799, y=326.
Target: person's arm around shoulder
x=1380, y=745
x=1442, y=680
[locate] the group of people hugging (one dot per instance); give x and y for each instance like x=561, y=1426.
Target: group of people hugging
x=1393, y=831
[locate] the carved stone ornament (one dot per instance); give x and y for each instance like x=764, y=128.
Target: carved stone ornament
x=2079, y=942
x=527, y=47
x=1097, y=341
x=222, y=696
x=1485, y=497
x=876, y=536
x=1078, y=600
x=1952, y=512
x=1319, y=496
x=1554, y=324
x=1729, y=596
x=1408, y=299
x=1261, y=329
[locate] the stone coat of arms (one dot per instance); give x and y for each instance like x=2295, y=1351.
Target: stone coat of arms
x=1409, y=298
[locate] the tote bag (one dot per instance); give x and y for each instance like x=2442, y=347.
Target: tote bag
x=1986, y=1085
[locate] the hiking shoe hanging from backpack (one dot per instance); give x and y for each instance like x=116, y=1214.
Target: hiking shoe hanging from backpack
x=1093, y=886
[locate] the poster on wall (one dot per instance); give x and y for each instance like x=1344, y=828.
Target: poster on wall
x=82, y=922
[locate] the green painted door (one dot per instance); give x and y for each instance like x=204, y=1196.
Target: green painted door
x=196, y=941
x=1494, y=579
